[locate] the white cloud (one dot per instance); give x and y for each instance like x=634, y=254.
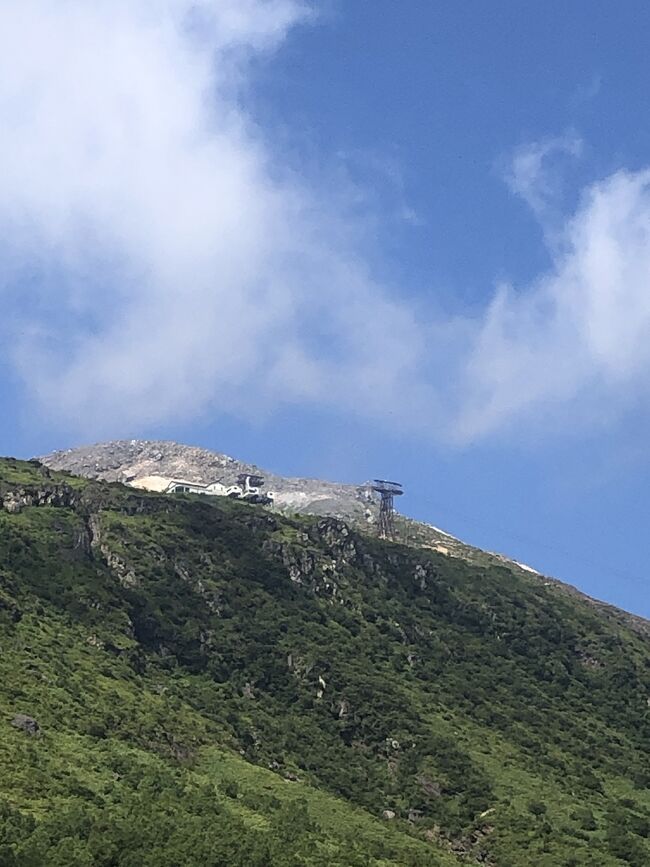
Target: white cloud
x=532, y=173
x=178, y=265
x=574, y=347
x=165, y=261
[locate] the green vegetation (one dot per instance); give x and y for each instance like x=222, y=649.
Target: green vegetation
x=218, y=685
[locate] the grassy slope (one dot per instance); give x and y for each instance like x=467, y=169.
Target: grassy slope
x=172, y=661
x=95, y=789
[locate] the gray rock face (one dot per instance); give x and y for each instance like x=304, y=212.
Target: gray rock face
x=15, y=500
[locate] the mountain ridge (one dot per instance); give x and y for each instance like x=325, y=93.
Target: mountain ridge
x=129, y=460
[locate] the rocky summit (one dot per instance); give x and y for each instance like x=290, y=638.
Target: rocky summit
x=130, y=460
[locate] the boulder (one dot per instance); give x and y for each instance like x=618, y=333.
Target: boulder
x=27, y=724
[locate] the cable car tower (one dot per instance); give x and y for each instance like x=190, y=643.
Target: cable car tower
x=387, y=491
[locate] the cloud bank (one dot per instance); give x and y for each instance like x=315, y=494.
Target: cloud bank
x=159, y=260
x=575, y=346
x=165, y=262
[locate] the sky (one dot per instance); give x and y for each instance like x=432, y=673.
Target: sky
x=344, y=240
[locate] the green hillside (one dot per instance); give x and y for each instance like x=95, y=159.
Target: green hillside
x=202, y=682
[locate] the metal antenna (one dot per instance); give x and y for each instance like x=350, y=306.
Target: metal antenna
x=387, y=491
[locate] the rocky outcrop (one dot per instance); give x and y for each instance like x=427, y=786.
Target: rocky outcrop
x=319, y=556
x=26, y=724
x=15, y=498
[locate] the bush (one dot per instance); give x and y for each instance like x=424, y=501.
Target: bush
x=229, y=788
x=585, y=818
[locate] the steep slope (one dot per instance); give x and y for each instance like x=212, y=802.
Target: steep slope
x=215, y=684
x=129, y=460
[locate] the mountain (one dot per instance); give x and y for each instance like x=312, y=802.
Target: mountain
x=130, y=460
x=133, y=460
x=198, y=681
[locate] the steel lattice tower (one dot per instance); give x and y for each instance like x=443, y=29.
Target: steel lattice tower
x=387, y=491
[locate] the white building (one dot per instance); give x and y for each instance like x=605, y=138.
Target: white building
x=246, y=490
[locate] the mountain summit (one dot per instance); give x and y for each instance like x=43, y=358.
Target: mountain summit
x=130, y=460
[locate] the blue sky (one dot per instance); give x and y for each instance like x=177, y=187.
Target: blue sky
x=344, y=240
